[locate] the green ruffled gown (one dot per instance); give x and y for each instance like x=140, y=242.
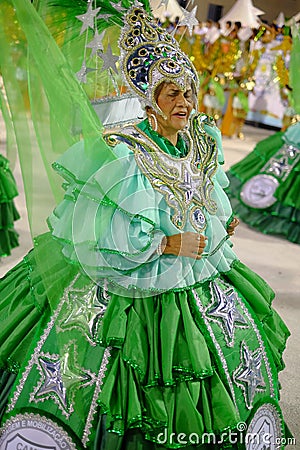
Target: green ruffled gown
x=192, y=351
x=8, y=212
x=265, y=185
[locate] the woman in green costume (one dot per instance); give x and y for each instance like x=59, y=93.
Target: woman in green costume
x=132, y=324
x=264, y=186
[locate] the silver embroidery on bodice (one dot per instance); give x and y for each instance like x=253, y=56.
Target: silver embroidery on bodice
x=186, y=183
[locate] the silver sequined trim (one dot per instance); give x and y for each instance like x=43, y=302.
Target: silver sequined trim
x=216, y=344
x=93, y=408
x=34, y=358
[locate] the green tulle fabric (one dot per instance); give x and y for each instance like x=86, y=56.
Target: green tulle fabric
x=45, y=123
x=9, y=238
x=88, y=221
x=294, y=68
x=283, y=217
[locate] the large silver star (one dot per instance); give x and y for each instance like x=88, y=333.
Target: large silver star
x=84, y=313
x=52, y=385
x=74, y=377
x=225, y=309
x=109, y=60
x=88, y=18
x=96, y=43
x=248, y=374
x=189, y=19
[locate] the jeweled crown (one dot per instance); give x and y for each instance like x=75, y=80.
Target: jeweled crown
x=150, y=55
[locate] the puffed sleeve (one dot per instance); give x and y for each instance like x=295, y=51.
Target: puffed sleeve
x=108, y=222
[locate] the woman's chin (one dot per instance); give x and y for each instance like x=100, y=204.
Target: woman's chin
x=179, y=123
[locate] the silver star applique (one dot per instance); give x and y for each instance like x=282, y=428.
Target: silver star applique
x=226, y=310
x=74, y=377
x=84, y=313
x=88, y=18
x=248, y=375
x=189, y=19
x=52, y=384
x=96, y=43
x=109, y=60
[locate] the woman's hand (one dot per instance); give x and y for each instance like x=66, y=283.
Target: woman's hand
x=185, y=244
x=231, y=227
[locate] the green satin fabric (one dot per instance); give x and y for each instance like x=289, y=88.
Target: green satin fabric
x=6, y=382
x=8, y=211
x=254, y=161
x=178, y=151
x=144, y=389
x=28, y=292
x=181, y=360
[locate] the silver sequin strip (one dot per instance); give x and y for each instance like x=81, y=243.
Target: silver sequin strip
x=261, y=346
x=216, y=344
x=37, y=350
x=99, y=382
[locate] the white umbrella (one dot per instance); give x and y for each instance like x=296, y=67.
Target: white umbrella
x=243, y=11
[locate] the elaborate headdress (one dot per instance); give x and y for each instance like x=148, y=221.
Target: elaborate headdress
x=149, y=56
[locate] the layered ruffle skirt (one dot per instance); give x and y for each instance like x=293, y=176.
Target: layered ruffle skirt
x=183, y=369
x=264, y=188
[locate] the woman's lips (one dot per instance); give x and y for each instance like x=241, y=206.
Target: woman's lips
x=182, y=115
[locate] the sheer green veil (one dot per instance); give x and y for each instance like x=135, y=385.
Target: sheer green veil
x=294, y=68
x=47, y=109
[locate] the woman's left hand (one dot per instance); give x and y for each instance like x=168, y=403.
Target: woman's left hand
x=231, y=227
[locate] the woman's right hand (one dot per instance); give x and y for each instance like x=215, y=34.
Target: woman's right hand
x=185, y=244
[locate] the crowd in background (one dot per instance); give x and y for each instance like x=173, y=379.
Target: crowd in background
x=227, y=56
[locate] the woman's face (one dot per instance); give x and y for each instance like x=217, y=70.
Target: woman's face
x=176, y=105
